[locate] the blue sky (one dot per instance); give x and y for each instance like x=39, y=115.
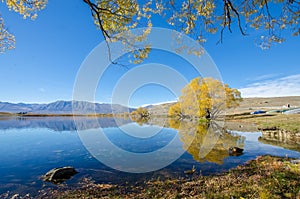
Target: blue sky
x=50, y=50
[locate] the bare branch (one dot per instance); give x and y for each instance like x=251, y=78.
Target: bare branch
x=238, y=16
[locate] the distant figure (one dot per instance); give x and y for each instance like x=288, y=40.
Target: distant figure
x=288, y=105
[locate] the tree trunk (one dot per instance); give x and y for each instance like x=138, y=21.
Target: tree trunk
x=207, y=114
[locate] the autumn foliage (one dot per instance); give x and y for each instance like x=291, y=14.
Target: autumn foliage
x=205, y=97
x=192, y=17
x=140, y=113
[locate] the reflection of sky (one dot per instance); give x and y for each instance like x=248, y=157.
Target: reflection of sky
x=27, y=153
x=140, y=139
x=252, y=136
x=255, y=148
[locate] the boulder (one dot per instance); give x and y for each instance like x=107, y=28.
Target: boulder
x=59, y=175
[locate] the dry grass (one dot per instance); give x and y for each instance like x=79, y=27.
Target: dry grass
x=265, y=177
x=289, y=122
x=250, y=104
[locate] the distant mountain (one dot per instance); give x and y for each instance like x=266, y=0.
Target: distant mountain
x=60, y=107
x=20, y=107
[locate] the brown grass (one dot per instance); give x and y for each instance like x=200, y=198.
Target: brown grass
x=265, y=177
x=289, y=122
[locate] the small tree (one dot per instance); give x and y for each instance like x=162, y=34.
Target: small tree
x=140, y=113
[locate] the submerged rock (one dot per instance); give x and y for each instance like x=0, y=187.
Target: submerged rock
x=235, y=151
x=59, y=175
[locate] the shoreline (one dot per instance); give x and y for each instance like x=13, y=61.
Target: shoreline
x=240, y=122
x=272, y=177
x=263, y=177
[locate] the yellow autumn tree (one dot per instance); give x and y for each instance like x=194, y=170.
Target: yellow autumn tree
x=175, y=110
x=205, y=97
x=140, y=115
x=140, y=112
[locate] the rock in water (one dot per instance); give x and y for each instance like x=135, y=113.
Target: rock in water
x=59, y=175
x=235, y=151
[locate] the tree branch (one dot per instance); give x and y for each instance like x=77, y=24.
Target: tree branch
x=237, y=14
x=95, y=11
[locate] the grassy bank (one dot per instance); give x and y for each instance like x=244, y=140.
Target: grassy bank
x=265, y=177
x=289, y=123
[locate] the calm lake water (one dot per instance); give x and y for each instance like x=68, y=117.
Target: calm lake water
x=29, y=147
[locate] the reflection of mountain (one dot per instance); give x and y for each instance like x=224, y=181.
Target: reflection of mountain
x=206, y=141
x=61, y=123
x=63, y=107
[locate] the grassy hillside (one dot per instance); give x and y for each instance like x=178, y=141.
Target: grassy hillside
x=247, y=105
x=250, y=104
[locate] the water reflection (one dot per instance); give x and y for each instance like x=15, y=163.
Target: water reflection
x=61, y=123
x=29, y=147
x=206, y=141
x=281, y=138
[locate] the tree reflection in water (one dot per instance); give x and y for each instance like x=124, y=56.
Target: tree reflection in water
x=206, y=141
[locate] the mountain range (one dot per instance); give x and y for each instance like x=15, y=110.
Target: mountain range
x=64, y=107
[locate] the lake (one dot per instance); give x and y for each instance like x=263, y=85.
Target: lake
x=31, y=146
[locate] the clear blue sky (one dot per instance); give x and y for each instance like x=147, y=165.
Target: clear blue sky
x=50, y=50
